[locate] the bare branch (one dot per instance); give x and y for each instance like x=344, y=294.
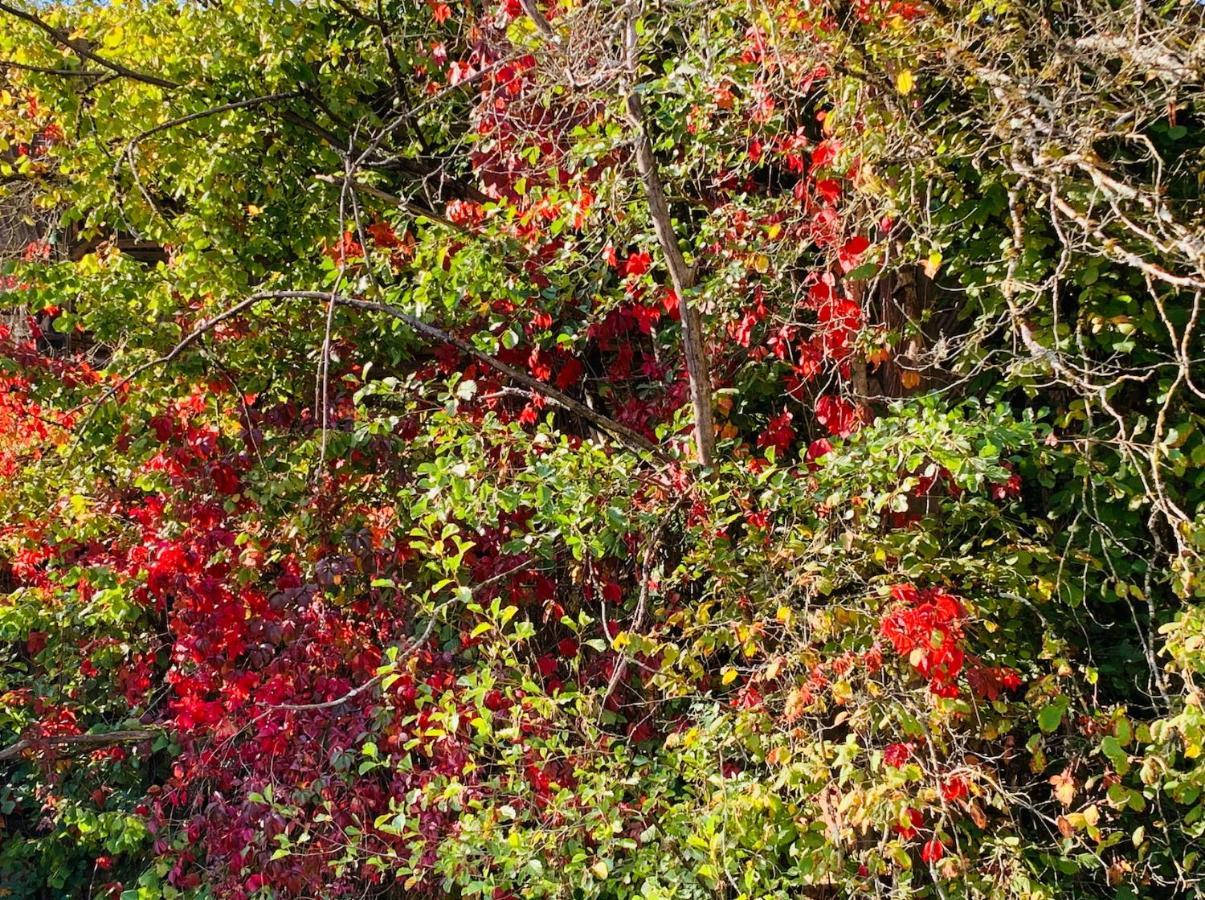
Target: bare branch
x=107, y=739
x=681, y=277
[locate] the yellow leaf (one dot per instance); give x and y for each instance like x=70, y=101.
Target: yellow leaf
x=903, y=81
x=729, y=676
x=600, y=869
x=842, y=692
x=932, y=264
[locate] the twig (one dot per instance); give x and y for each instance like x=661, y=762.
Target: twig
x=646, y=564
x=202, y=114
x=401, y=202
x=44, y=70
x=631, y=438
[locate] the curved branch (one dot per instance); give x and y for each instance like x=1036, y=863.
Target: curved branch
x=81, y=48
x=629, y=437
x=626, y=436
x=46, y=70
x=202, y=114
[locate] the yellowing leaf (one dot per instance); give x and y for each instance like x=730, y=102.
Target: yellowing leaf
x=1064, y=787
x=878, y=355
x=774, y=668
x=842, y=692
x=903, y=81
x=932, y=264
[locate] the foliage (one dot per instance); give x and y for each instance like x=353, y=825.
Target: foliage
x=359, y=534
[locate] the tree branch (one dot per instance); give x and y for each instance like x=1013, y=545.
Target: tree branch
x=86, y=740
x=202, y=114
x=45, y=70
x=81, y=48
x=626, y=436
x=629, y=437
x=410, y=206
x=680, y=274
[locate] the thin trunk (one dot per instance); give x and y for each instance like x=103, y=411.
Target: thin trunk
x=681, y=277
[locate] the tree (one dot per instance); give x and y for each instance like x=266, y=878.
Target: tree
x=605, y=450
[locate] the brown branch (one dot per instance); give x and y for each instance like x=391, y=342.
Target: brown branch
x=629, y=437
x=1115, y=251
x=646, y=565
x=380, y=676
x=127, y=156
x=191, y=338
x=86, y=740
x=413, y=168
x=538, y=19
x=626, y=436
x=681, y=276
x=206, y=113
x=410, y=206
x=81, y=48
x=368, y=685
x=338, y=701
x=44, y=70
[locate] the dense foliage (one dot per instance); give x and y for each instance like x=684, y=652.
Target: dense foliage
x=607, y=450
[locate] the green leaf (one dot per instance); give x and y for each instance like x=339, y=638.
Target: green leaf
x=1051, y=715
